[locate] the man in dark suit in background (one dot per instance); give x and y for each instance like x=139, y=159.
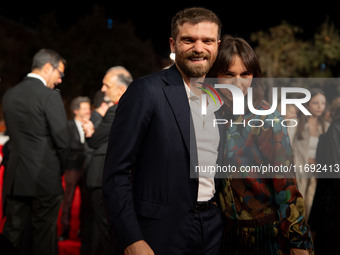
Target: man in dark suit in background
x=89, y=236
x=115, y=83
x=37, y=126
x=101, y=104
x=153, y=205
x=74, y=171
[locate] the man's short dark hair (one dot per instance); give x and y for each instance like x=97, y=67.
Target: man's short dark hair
x=45, y=56
x=75, y=104
x=194, y=16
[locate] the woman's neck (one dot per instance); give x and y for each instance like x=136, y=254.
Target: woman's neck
x=313, y=120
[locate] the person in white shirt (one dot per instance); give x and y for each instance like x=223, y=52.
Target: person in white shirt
x=74, y=171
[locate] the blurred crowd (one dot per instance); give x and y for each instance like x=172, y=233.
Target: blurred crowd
x=73, y=148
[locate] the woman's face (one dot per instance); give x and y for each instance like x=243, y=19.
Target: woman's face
x=236, y=75
x=317, y=105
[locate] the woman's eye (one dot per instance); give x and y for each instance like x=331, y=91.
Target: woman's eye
x=245, y=74
x=229, y=75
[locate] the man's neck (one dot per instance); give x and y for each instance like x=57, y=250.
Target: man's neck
x=78, y=119
x=38, y=76
x=39, y=72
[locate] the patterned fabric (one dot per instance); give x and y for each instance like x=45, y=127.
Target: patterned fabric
x=265, y=215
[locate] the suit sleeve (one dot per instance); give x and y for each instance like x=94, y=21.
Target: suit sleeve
x=56, y=118
x=101, y=134
x=132, y=119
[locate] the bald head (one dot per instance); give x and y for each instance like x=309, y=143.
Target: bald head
x=115, y=82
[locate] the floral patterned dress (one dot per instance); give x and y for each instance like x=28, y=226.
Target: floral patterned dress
x=264, y=215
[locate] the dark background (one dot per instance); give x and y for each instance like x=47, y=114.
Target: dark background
x=139, y=39
x=152, y=20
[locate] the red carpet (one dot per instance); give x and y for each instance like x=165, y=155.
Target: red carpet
x=71, y=246
x=68, y=247
x=2, y=221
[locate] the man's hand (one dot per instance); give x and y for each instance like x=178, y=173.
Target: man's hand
x=138, y=248
x=88, y=128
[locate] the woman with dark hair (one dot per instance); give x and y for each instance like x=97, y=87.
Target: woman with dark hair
x=264, y=215
x=305, y=137
x=236, y=49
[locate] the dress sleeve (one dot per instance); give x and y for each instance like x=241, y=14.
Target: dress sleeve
x=274, y=144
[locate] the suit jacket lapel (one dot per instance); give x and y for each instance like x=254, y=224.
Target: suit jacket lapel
x=177, y=98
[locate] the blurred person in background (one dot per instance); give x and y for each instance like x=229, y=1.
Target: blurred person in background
x=37, y=126
x=304, y=138
x=89, y=238
x=101, y=104
x=115, y=83
x=74, y=170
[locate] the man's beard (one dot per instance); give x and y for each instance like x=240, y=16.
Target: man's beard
x=193, y=70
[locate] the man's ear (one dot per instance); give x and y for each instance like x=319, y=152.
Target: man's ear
x=172, y=44
x=122, y=89
x=75, y=112
x=47, y=68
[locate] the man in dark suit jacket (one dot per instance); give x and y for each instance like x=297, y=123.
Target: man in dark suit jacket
x=89, y=233
x=153, y=203
x=101, y=104
x=37, y=126
x=115, y=83
x=74, y=170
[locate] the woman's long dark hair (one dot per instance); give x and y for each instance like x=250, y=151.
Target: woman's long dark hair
x=229, y=47
x=235, y=46
x=303, y=118
x=335, y=109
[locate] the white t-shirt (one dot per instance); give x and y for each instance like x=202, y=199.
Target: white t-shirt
x=207, y=141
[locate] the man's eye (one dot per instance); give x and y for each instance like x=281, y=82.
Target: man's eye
x=187, y=40
x=209, y=41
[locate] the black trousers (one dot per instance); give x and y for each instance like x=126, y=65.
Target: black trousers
x=204, y=236
x=39, y=213
x=72, y=178
x=206, y=233
x=100, y=237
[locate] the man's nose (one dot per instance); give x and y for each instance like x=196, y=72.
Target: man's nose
x=198, y=47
